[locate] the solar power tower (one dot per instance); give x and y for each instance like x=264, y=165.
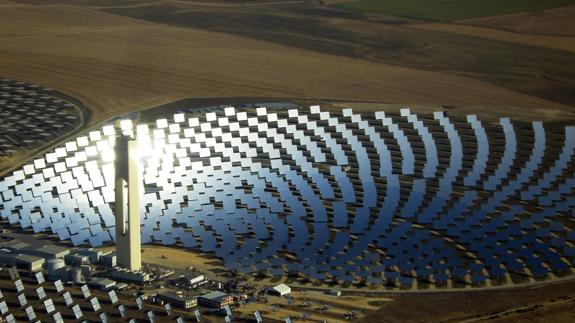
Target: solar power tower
x=128, y=233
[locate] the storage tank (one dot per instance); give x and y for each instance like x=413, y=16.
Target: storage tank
x=76, y=275
x=55, y=268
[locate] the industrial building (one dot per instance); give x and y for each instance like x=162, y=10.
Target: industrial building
x=108, y=260
x=138, y=277
x=47, y=251
x=178, y=300
x=30, y=256
x=24, y=262
x=215, y=299
x=14, y=245
x=92, y=254
x=76, y=259
x=103, y=284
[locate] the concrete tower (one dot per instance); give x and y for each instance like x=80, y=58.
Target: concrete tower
x=128, y=235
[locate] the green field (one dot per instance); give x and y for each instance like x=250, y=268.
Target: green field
x=451, y=10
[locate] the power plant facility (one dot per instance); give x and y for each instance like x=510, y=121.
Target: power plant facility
x=276, y=211
x=128, y=234
x=283, y=161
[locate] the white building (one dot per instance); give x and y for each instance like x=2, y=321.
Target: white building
x=198, y=281
x=280, y=290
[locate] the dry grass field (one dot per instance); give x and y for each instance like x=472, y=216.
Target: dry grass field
x=174, y=258
x=551, y=303
x=554, y=22
x=451, y=10
x=565, y=43
x=552, y=28
x=114, y=63
x=319, y=306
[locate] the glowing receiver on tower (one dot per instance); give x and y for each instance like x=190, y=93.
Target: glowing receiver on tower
x=128, y=240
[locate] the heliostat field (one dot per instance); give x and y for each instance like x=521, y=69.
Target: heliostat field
x=376, y=198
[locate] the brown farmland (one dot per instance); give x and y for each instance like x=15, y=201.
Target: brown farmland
x=566, y=43
x=114, y=64
x=544, y=303
x=558, y=22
